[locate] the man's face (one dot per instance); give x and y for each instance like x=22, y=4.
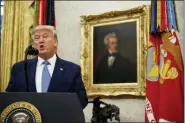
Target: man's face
x=44, y=41
x=113, y=45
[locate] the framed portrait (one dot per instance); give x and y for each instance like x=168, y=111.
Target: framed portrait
x=113, y=52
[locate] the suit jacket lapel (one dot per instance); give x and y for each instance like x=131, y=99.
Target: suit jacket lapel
x=31, y=75
x=57, y=76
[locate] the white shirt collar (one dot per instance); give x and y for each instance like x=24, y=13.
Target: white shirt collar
x=52, y=60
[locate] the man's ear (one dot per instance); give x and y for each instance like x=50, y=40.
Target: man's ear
x=56, y=42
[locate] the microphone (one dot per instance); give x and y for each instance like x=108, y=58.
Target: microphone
x=29, y=51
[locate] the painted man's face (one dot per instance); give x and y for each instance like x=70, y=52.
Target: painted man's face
x=113, y=45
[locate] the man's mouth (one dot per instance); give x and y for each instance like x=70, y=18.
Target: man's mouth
x=41, y=47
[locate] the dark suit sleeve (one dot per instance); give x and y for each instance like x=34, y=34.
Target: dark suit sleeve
x=80, y=89
x=12, y=83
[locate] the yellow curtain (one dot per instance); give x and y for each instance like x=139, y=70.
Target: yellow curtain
x=18, y=19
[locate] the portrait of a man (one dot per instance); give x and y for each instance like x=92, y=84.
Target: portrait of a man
x=113, y=54
x=114, y=66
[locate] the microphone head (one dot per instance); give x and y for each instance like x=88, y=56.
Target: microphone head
x=35, y=51
x=31, y=51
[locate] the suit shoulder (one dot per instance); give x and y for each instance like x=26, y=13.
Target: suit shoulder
x=69, y=64
x=20, y=64
x=124, y=58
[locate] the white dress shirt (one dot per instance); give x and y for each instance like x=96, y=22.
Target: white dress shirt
x=111, y=60
x=39, y=69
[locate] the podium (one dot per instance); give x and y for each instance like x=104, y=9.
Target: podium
x=32, y=107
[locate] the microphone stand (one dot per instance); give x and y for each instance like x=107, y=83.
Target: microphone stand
x=25, y=69
x=29, y=51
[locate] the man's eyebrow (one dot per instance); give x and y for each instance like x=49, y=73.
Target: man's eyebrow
x=36, y=35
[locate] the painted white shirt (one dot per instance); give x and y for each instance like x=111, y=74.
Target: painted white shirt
x=39, y=69
x=111, y=60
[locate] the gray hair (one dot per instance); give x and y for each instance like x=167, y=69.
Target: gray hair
x=108, y=36
x=48, y=27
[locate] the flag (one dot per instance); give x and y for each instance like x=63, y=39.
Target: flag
x=165, y=69
x=171, y=97
x=45, y=12
x=152, y=69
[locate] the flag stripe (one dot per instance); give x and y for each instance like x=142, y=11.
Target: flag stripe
x=41, y=12
x=153, y=16
x=50, y=13
x=159, y=14
x=174, y=23
x=163, y=15
x=36, y=13
x=171, y=15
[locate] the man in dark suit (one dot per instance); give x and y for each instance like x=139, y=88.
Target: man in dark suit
x=114, y=68
x=47, y=72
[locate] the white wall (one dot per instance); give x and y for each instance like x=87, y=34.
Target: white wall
x=68, y=28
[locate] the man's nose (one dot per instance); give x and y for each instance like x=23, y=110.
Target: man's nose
x=41, y=40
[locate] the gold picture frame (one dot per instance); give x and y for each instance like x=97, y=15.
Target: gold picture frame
x=138, y=15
